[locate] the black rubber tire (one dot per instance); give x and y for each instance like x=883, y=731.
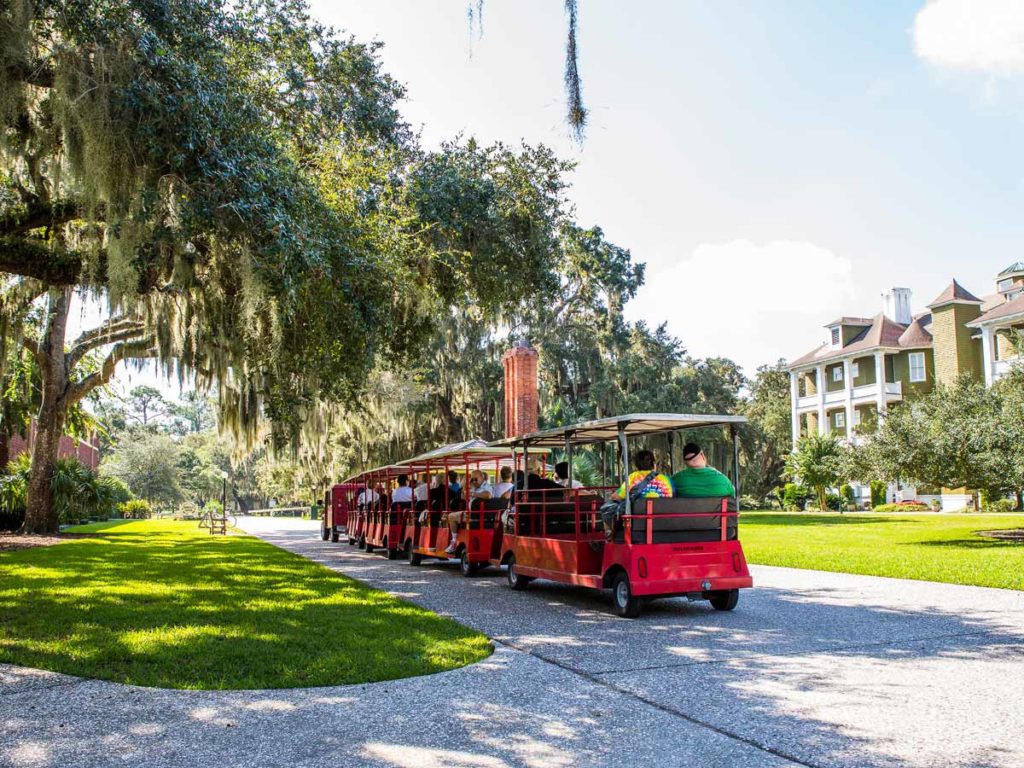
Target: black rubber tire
x=725, y=600
x=369, y=547
x=626, y=604
x=415, y=558
x=351, y=541
x=325, y=534
x=394, y=554
x=515, y=581
x=335, y=536
x=466, y=568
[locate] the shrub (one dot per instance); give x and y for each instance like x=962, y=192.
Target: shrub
x=878, y=488
x=136, y=509
x=794, y=496
x=834, y=502
x=78, y=493
x=846, y=493
x=902, y=506
x=997, y=506
x=750, y=502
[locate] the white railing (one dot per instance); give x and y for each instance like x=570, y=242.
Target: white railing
x=868, y=392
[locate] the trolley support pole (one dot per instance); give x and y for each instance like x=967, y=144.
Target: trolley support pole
x=624, y=456
x=735, y=462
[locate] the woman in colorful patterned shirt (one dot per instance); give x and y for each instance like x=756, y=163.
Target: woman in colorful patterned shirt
x=660, y=487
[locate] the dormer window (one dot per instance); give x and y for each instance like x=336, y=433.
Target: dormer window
x=835, y=336
x=1006, y=284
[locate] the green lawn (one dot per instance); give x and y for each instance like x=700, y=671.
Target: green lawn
x=163, y=603
x=927, y=547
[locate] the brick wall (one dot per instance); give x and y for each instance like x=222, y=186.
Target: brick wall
x=521, y=401
x=86, y=451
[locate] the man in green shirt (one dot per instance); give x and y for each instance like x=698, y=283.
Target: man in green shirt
x=699, y=480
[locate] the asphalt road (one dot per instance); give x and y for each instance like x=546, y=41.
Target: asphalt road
x=812, y=669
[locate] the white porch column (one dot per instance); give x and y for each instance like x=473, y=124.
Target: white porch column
x=880, y=380
x=987, y=356
x=794, y=397
x=822, y=424
x=848, y=386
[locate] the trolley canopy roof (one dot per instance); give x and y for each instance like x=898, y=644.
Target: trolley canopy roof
x=453, y=454
x=633, y=424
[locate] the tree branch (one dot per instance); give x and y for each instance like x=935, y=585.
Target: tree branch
x=33, y=347
x=36, y=73
x=121, y=328
x=131, y=349
x=38, y=213
x=30, y=257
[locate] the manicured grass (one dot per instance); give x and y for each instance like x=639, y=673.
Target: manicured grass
x=163, y=603
x=927, y=547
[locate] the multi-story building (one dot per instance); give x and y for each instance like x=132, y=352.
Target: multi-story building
x=846, y=385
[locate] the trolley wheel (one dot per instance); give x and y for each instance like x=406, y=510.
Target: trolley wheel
x=725, y=600
x=515, y=581
x=466, y=567
x=626, y=603
x=394, y=554
x=351, y=541
x=362, y=542
x=325, y=534
x=334, y=536
x=369, y=547
x=415, y=558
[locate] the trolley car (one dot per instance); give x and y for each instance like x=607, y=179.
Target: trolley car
x=658, y=548
x=339, y=504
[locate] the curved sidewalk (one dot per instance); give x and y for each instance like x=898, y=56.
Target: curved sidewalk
x=812, y=669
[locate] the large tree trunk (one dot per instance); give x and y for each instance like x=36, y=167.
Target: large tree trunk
x=41, y=515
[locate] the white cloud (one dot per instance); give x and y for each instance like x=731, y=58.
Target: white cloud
x=752, y=303
x=972, y=35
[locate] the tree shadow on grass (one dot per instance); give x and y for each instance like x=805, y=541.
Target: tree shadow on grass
x=819, y=520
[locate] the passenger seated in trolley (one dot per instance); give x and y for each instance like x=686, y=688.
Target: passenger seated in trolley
x=455, y=513
x=403, y=493
x=367, y=496
x=503, y=489
x=422, y=490
x=562, y=476
x=655, y=485
x=697, y=479
x=479, y=488
x=544, y=486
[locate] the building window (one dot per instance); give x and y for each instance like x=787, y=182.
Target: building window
x=856, y=417
x=837, y=373
x=835, y=337
x=1004, y=285
x=840, y=419
x=854, y=370
x=917, y=366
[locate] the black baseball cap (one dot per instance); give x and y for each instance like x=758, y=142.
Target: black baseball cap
x=690, y=451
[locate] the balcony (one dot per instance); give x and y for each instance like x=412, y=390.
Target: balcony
x=893, y=391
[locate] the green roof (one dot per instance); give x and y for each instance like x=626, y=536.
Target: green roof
x=1017, y=266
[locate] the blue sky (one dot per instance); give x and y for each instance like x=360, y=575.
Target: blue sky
x=775, y=164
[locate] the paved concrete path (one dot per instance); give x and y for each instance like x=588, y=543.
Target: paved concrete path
x=812, y=669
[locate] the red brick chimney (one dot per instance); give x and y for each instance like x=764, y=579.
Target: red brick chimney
x=521, y=404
